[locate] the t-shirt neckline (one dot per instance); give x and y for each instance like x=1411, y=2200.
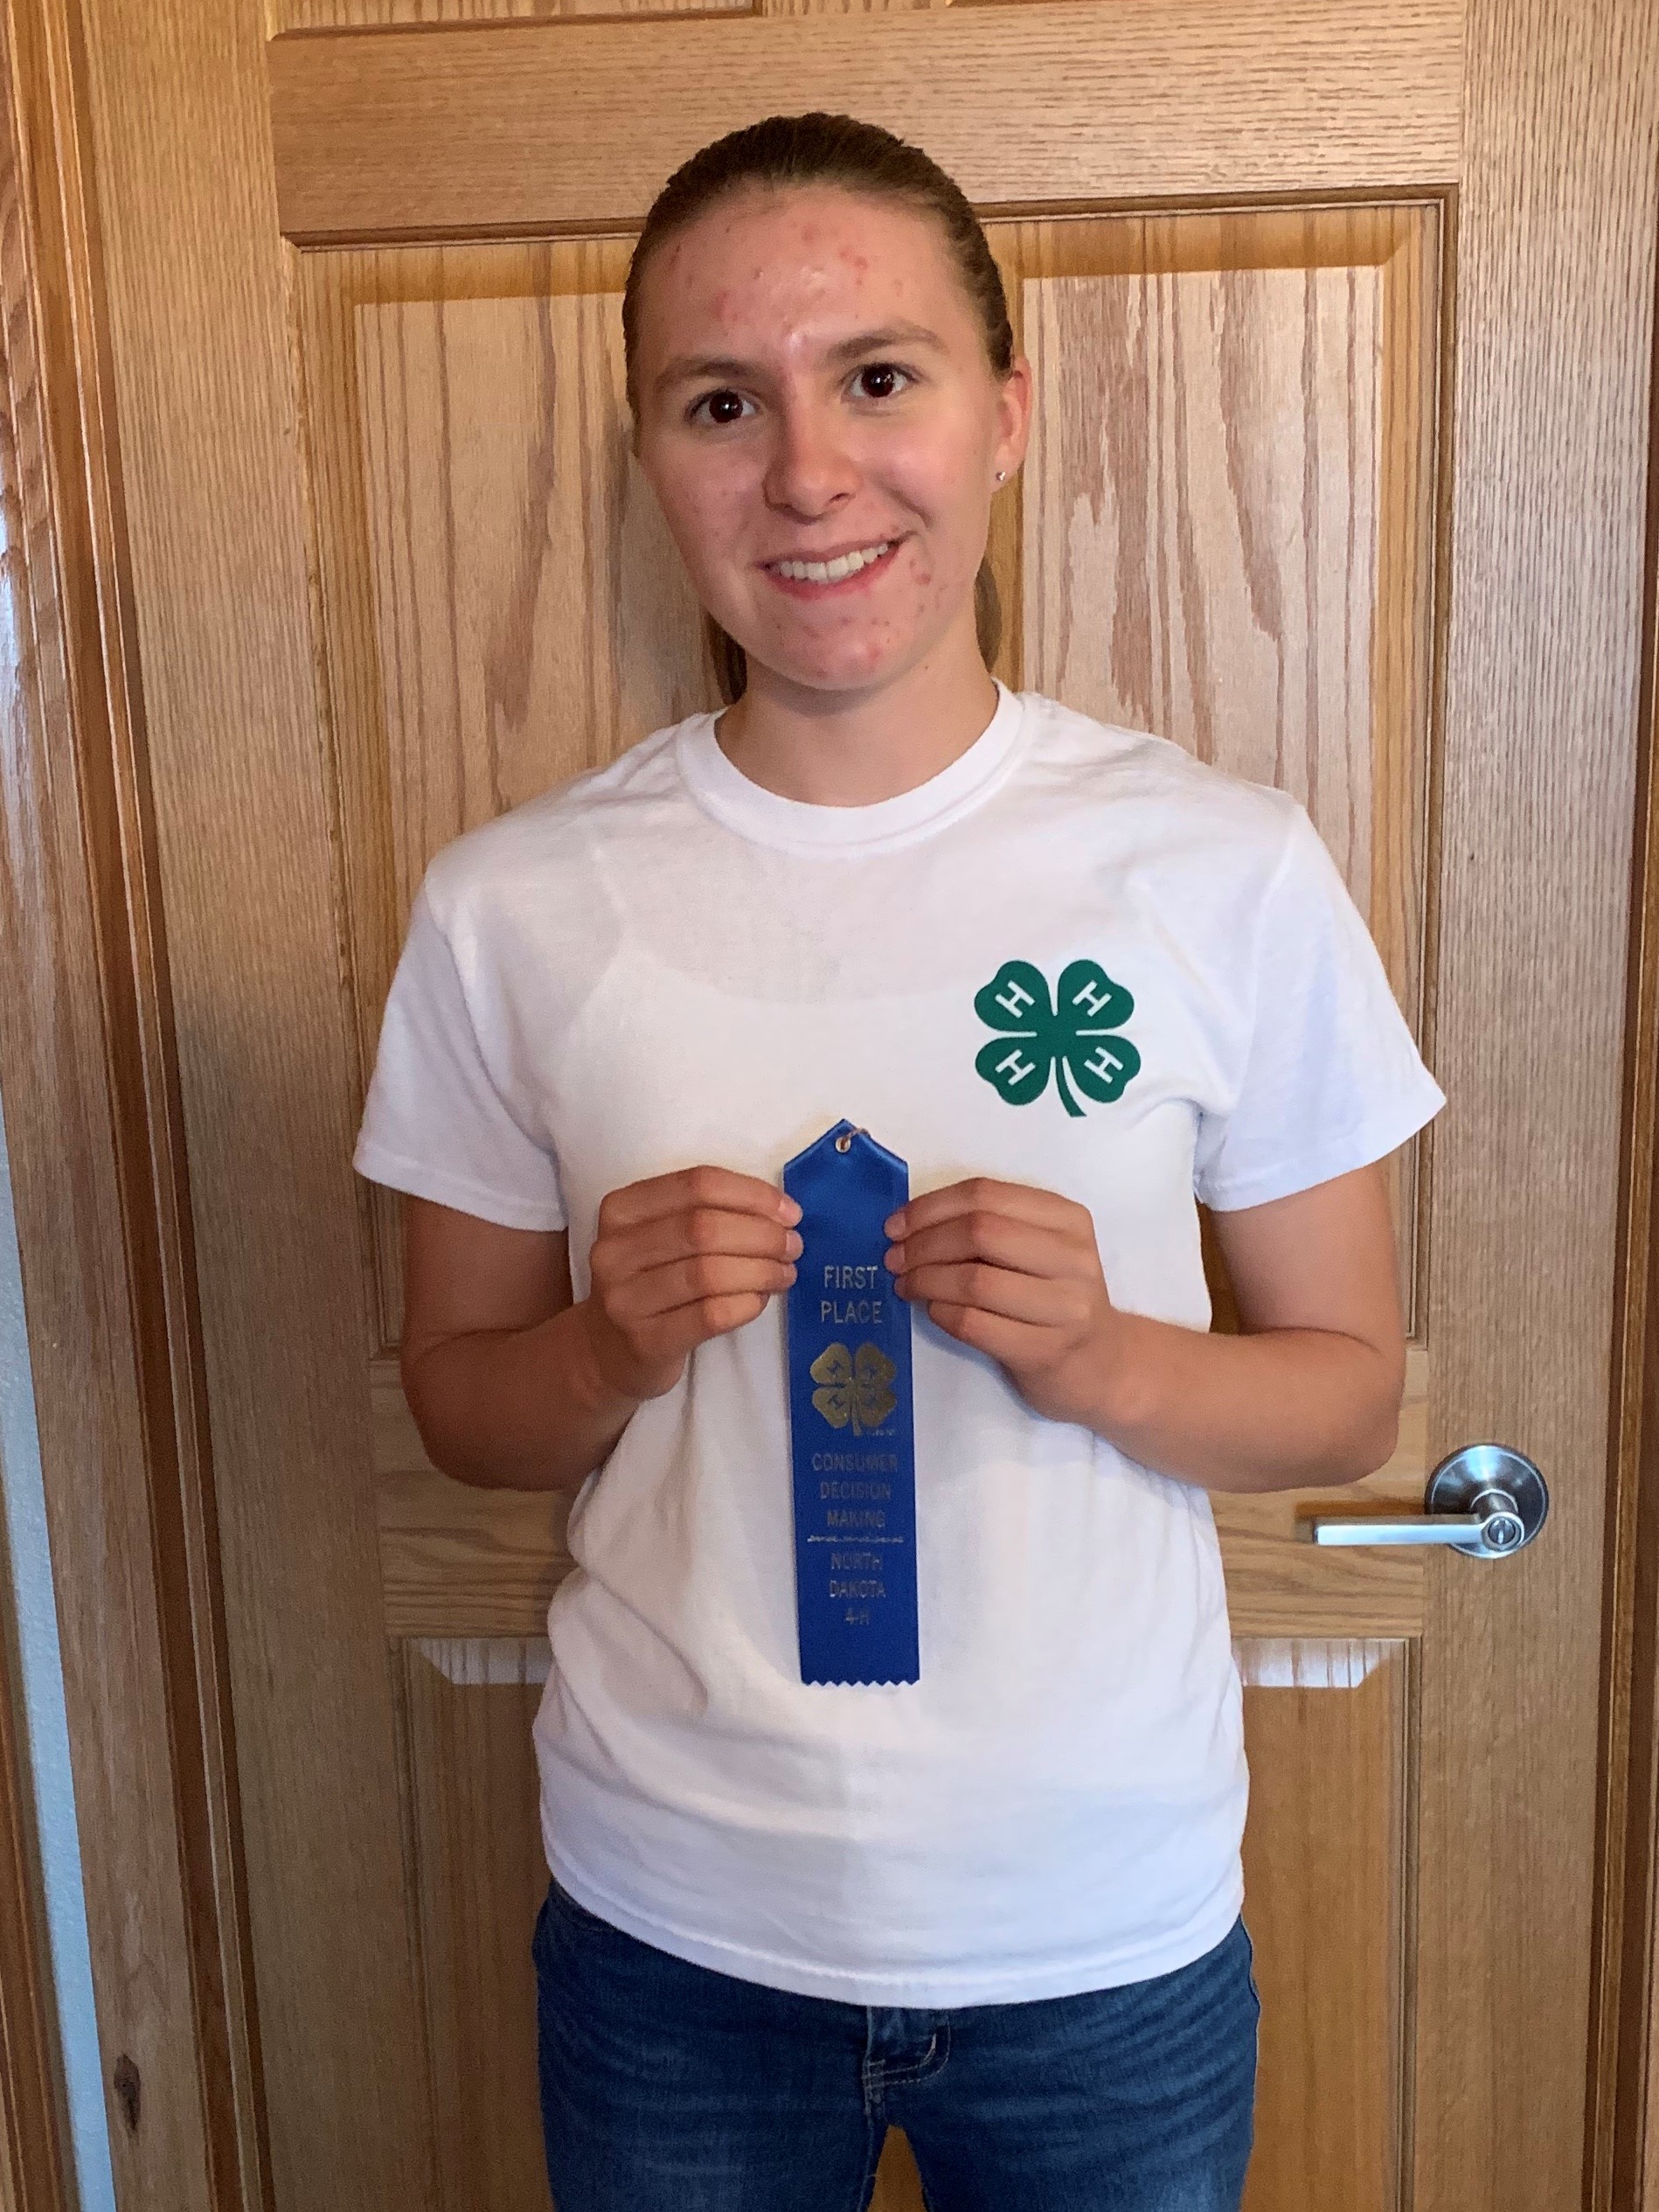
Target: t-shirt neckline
x=794, y=825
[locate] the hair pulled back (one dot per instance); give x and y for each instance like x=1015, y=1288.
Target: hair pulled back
x=784, y=151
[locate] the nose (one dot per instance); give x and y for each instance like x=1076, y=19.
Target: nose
x=811, y=470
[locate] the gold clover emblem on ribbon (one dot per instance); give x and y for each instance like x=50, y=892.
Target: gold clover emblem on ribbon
x=854, y=1387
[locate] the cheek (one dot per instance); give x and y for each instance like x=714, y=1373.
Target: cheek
x=941, y=475
x=703, y=498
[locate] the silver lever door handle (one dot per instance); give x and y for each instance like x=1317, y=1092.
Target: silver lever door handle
x=1486, y=1501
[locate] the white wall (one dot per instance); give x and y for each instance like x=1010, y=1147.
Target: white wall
x=47, y=1746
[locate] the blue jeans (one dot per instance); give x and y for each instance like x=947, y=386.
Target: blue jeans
x=667, y=2087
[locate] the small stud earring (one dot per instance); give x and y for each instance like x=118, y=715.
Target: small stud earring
x=1001, y=473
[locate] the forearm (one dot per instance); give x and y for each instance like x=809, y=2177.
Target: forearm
x=1273, y=1411
x=517, y=1408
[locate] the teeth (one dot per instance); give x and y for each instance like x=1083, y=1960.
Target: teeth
x=830, y=572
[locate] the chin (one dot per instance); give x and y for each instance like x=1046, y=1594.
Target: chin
x=849, y=667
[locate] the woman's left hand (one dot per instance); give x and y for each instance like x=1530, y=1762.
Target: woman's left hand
x=1015, y=1273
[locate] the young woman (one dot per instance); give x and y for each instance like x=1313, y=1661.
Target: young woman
x=1073, y=977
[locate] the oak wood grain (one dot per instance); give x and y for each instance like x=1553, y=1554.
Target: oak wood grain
x=353, y=14
x=1549, y=421
x=842, y=8
x=394, y=134
x=344, y=15
x=471, y=453
x=458, y=1561
x=471, y=484
x=1328, y=1723
x=480, y=1876
x=36, y=2152
x=1201, y=495
x=1325, y=1719
x=98, y=1180
x=898, y=2183
x=278, y=841
x=504, y=501
x=1624, y=2119
x=1227, y=523
x=202, y=385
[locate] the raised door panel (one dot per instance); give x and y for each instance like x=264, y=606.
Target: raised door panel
x=1330, y=1729
x=1222, y=533
x=507, y=608
x=478, y=1876
x=1327, y=1723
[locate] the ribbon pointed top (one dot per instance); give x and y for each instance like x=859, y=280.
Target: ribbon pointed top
x=845, y=1139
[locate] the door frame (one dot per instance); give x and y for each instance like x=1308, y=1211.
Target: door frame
x=1625, y=2016
x=103, y=1226
x=101, y=1191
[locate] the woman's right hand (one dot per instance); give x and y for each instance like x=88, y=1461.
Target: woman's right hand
x=678, y=1259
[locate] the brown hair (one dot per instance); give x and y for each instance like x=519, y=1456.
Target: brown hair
x=818, y=148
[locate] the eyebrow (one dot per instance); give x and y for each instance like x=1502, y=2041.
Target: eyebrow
x=689, y=368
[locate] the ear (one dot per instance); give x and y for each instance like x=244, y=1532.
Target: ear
x=1014, y=402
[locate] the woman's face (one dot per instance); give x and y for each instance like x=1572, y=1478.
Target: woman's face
x=822, y=426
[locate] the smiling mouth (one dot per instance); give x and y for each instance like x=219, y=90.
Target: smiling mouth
x=832, y=572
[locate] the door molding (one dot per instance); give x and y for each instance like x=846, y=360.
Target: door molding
x=99, y=1167
x=103, y=1223
x=1624, y=2117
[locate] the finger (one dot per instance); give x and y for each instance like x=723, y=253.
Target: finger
x=1035, y=1298
x=710, y=1274
x=690, y=1188
x=984, y=1194
x=1000, y=1238
x=1016, y=1345
x=678, y=1236
x=681, y=1331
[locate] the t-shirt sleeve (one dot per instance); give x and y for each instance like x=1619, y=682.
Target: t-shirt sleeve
x=1331, y=1078
x=437, y=1122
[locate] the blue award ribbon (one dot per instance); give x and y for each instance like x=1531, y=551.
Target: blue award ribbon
x=851, y=1435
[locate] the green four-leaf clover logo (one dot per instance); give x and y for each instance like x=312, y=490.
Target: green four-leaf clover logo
x=1074, y=1031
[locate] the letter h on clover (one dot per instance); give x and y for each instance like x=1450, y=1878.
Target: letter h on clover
x=1074, y=1031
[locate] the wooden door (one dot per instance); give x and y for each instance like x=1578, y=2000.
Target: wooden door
x=1339, y=313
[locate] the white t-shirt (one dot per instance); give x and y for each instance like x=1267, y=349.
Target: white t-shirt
x=661, y=964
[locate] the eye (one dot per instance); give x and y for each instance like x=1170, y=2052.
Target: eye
x=718, y=407
x=881, y=380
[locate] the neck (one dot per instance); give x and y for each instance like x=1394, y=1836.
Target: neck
x=856, y=748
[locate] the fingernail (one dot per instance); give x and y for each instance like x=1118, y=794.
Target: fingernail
x=792, y=1247
x=894, y=1223
x=790, y=1272
x=895, y=1257
x=788, y=1209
